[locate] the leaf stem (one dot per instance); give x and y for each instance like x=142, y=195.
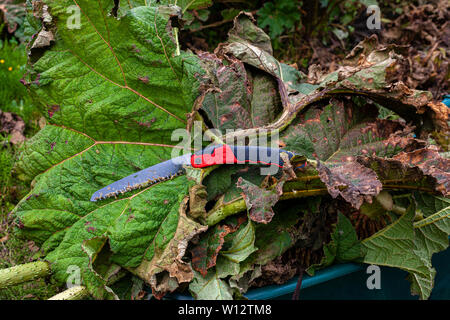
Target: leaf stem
x=221, y=210
x=175, y=33
x=23, y=273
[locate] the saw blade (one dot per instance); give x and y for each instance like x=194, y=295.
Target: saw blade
x=144, y=178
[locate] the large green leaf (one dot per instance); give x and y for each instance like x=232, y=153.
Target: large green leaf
x=237, y=248
x=210, y=287
x=433, y=230
x=113, y=91
x=409, y=245
x=359, y=152
x=204, y=254
x=432, y=233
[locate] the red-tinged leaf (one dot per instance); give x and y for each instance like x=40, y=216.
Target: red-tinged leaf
x=431, y=164
x=344, y=129
x=339, y=132
x=204, y=254
x=424, y=167
x=237, y=98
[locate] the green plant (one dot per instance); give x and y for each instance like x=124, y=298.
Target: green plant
x=12, y=16
x=6, y=164
x=279, y=16
x=14, y=96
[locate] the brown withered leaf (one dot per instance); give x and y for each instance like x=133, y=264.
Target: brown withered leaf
x=441, y=117
x=335, y=134
x=371, y=71
x=425, y=29
x=354, y=182
x=167, y=267
x=421, y=169
x=259, y=201
x=43, y=39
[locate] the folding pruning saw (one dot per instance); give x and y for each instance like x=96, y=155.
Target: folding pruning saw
x=212, y=155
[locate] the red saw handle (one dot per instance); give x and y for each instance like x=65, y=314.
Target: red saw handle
x=225, y=154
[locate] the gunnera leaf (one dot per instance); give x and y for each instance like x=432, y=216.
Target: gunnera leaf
x=336, y=134
x=204, y=254
x=237, y=247
x=423, y=168
x=431, y=236
x=369, y=71
x=343, y=247
x=400, y=245
x=237, y=97
x=259, y=201
x=210, y=287
x=112, y=91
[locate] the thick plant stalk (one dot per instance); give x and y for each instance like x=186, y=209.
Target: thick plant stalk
x=23, y=273
x=222, y=211
x=74, y=293
x=81, y=292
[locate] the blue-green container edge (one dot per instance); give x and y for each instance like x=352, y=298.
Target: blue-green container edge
x=335, y=279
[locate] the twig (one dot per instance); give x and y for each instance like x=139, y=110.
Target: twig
x=211, y=25
x=296, y=294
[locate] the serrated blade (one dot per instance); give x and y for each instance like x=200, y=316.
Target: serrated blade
x=151, y=175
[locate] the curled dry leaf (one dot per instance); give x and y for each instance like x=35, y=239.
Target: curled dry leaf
x=204, y=254
x=169, y=261
x=117, y=126
x=43, y=39
x=259, y=201
x=425, y=29
x=354, y=182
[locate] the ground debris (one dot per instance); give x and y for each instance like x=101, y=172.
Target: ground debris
x=13, y=125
